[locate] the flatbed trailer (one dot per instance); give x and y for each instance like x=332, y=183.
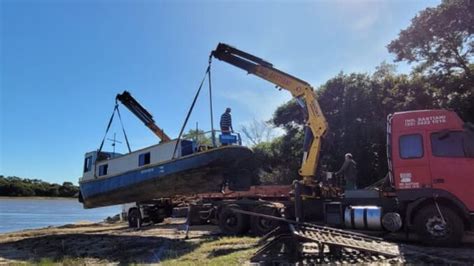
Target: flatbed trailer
x=217, y=208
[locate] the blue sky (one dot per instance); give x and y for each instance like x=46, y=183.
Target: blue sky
x=63, y=62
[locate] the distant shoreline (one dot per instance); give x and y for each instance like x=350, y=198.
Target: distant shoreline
x=37, y=197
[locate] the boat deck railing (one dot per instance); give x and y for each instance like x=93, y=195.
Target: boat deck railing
x=212, y=138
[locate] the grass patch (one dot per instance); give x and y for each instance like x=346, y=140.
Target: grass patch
x=218, y=251
x=66, y=261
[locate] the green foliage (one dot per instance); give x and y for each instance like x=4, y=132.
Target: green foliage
x=356, y=106
x=13, y=186
x=277, y=158
x=199, y=136
x=440, y=39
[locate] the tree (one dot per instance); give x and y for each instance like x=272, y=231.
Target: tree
x=355, y=108
x=68, y=184
x=258, y=131
x=199, y=136
x=15, y=186
x=280, y=158
x=440, y=39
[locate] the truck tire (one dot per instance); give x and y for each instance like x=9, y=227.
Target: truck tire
x=429, y=225
x=261, y=226
x=232, y=223
x=134, y=218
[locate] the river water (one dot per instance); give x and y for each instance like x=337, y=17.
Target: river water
x=27, y=213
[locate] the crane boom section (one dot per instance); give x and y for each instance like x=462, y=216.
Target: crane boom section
x=139, y=111
x=315, y=120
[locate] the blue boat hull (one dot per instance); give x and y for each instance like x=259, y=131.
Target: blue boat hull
x=196, y=173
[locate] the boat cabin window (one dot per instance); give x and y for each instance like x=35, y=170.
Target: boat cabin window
x=103, y=169
x=449, y=144
x=187, y=147
x=411, y=146
x=144, y=159
x=101, y=156
x=88, y=164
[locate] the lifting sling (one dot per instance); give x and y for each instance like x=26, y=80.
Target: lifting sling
x=116, y=109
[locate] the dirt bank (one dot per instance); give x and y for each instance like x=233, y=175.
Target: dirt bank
x=92, y=243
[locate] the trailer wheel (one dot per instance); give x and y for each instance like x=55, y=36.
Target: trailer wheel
x=261, y=226
x=134, y=218
x=233, y=223
x=157, y=220
x=429, y=225
x=194, y=217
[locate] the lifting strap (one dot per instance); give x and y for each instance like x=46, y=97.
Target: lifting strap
x=190, y=110
x=108, y=127
x=213, y=136
x=123, y=130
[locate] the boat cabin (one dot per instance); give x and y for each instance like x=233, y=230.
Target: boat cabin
x=106, y=164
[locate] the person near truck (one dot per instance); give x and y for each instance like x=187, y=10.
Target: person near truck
x=226, y=122
x=349, y=171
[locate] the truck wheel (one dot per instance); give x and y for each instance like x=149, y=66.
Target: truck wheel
x=134, y=218
x=233, y=223
x=261, y=226
x=430, y=227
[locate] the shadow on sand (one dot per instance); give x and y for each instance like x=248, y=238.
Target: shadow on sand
x=102, y=247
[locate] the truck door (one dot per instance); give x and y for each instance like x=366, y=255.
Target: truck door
x=410, y=163
x=452, y=164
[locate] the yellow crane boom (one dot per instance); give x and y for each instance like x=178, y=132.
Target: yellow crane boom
x=316, y=124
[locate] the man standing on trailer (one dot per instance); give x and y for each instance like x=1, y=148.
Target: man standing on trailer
x=349, y=171
x=226, y=122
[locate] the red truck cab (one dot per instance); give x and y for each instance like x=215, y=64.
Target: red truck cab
x=431, y=156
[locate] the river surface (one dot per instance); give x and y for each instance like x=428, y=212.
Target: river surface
x=28, y=213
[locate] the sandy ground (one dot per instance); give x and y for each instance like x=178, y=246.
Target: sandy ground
x=92, y=243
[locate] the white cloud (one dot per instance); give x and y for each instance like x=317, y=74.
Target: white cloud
x=360, y=15
x=365, y=22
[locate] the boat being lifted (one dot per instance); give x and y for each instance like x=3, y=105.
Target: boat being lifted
x=171, y=168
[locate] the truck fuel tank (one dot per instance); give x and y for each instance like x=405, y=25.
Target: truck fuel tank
x=363, y=217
